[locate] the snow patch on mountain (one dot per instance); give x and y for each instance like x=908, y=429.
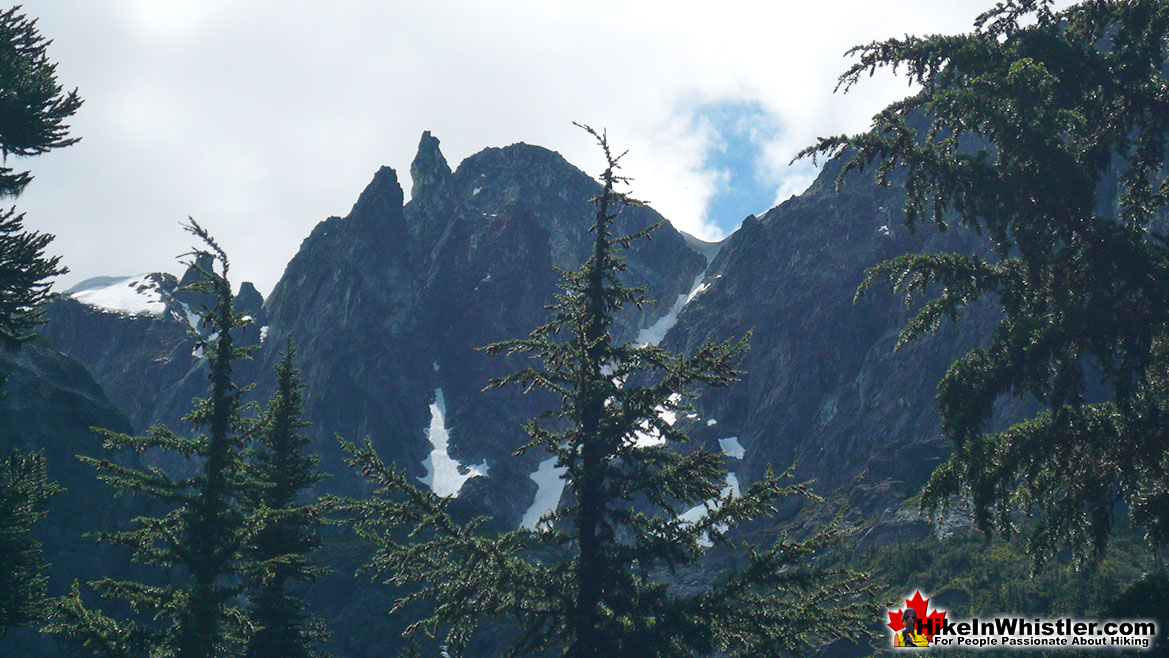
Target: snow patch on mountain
x=653, y=334
x=444, y=474
x=707, y=250
x=193, y=319
x=732, y=447
x=733, y=483
x=549, y=479
x=131, y=295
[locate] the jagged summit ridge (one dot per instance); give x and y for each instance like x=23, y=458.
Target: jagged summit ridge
x=476, y=266
x=375, y=299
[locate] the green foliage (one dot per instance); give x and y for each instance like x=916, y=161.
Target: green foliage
x=283, y=530
x=198, y=539
x=411, y=650
x=596, y=576
x=1047, y=133
x=25, y=491
x=1146, y=598
x=24, y=278
x=33, y=107
x=32, y=115
x=974, y=575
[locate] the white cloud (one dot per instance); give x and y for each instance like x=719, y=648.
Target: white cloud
x=262, y=118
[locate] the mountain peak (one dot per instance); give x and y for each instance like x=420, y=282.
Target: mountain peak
x=249, y=300
x=204, y=262
x=429, y=169
x=381, y=198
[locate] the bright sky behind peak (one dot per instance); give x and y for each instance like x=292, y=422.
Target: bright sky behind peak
x=262, y=118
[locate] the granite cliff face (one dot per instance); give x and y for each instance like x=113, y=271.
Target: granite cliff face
x=389, y=305
x=824, y=388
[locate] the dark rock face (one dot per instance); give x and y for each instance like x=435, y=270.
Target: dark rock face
x=195, y=299
x=250, y=301
x=348, y=300
x=51, y=403
x=127, y=353
x=389, y=304
x=140, y=340
x=824, y=388
x=429, y=170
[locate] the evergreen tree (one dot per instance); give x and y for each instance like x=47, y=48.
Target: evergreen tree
x=594, y=579
x=284, y=530
x=411, y=650
x=25, y=491
x=33, y=106
x=24, y=485
x=33, y=111
x=25, y=275
x=1047, y=133
x=32, y=115
x=198, y=539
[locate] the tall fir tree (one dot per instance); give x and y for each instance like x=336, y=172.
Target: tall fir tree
x=33, y=106
x=25, y=491
x=33, y=111
x=284, y=528
x=595, y=578
x=1046, y=132
x=198, y=541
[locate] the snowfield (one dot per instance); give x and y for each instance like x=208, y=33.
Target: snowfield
x=130, y=295
x=444, y=474
x=549, y=480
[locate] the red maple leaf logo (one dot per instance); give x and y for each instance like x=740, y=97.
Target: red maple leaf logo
x=930, y=623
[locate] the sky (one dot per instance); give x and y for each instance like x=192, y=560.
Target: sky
x=260, y=118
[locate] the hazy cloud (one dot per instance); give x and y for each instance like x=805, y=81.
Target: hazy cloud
x=261, y=118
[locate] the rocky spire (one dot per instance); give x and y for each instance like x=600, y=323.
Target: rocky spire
x=196, y=300
x=202, y=262
x=429, y=169
x=249, y=300
x=380, y=199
